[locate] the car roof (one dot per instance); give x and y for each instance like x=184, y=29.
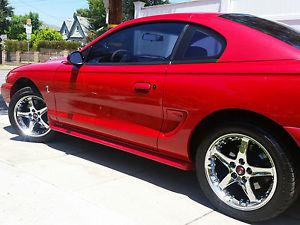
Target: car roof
x=243, y=43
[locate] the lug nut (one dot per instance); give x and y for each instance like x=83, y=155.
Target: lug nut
x=234, y=175
x=241, y=161
x=232, y=164
x=249, y=170
x=244, y=179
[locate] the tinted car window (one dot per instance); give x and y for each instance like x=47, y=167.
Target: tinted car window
x=142, y=43
x=279, y=31
x=200, y=44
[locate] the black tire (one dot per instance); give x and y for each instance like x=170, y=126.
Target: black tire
x=286, y=191
x=27, y=91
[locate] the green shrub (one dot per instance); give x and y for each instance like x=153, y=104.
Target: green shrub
x=15, y=45
x=48, y=34
x=58, y=45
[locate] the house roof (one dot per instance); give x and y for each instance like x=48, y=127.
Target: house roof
x=69, y=23
x=84, y=24
x=71, y=26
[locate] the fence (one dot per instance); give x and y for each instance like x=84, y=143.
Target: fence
x=31, y=57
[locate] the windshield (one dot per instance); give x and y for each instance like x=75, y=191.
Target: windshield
x=277, y=30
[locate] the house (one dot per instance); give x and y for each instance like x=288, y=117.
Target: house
x=287, y=11
x=66, y=28
x=75, y=29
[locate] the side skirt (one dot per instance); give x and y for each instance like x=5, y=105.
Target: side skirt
x=155, y=156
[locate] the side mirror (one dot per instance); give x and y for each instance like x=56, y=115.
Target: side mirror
x=75, y=58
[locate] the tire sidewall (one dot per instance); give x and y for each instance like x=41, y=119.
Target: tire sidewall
x=15, y=98
x=285, y=179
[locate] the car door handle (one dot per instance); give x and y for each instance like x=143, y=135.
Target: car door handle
x=142, y=87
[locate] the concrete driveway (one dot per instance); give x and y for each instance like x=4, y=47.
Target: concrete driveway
x=71, y=181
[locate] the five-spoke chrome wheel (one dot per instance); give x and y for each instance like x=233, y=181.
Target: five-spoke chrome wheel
x=30, y=114
x=240, y=172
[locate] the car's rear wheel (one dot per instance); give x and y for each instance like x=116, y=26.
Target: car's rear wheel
x=246, y=172
x=28, y=115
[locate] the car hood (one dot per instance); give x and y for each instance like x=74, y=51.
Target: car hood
x=50, y=65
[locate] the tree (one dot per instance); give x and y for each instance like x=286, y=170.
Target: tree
x=35, y=20
x=48, y=34
x=128, y=7
x=156, y=2
x=96, y=14
x=16, y=29
x=5, y=12
x=82, y=12
x=43, y=35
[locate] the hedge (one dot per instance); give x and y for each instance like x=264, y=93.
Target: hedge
x=58, y=45
x=15, y=45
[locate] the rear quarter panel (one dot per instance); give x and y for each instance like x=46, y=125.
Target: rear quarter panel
x=269, y=88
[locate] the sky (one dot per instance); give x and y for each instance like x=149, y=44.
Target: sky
x=52, y=12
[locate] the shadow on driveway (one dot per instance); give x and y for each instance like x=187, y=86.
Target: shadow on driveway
x=158, y=174
x=3, y=108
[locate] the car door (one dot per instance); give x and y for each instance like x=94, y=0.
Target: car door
x=118, y=92
x=195, y=67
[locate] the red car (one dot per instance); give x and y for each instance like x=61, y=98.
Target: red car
x=218, y=93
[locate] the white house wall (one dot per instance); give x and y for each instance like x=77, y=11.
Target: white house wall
x=193, y=6
x=267, y=7
x=285, y=11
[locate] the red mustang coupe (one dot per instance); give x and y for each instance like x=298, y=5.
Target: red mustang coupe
x=218, y=93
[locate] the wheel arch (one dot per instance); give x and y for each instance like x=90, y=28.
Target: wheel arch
x=23, y=82
x=238, y=115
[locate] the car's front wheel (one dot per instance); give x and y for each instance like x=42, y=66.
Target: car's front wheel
x=246, y=172
x=28, y=115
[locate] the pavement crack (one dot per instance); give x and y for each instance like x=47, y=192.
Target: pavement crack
x=198, y=218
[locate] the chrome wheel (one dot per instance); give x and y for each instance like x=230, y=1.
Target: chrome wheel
x=30, y=114
x=240, y=172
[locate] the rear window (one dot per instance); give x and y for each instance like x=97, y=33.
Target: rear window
x=200, y=44
x=279, y=31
